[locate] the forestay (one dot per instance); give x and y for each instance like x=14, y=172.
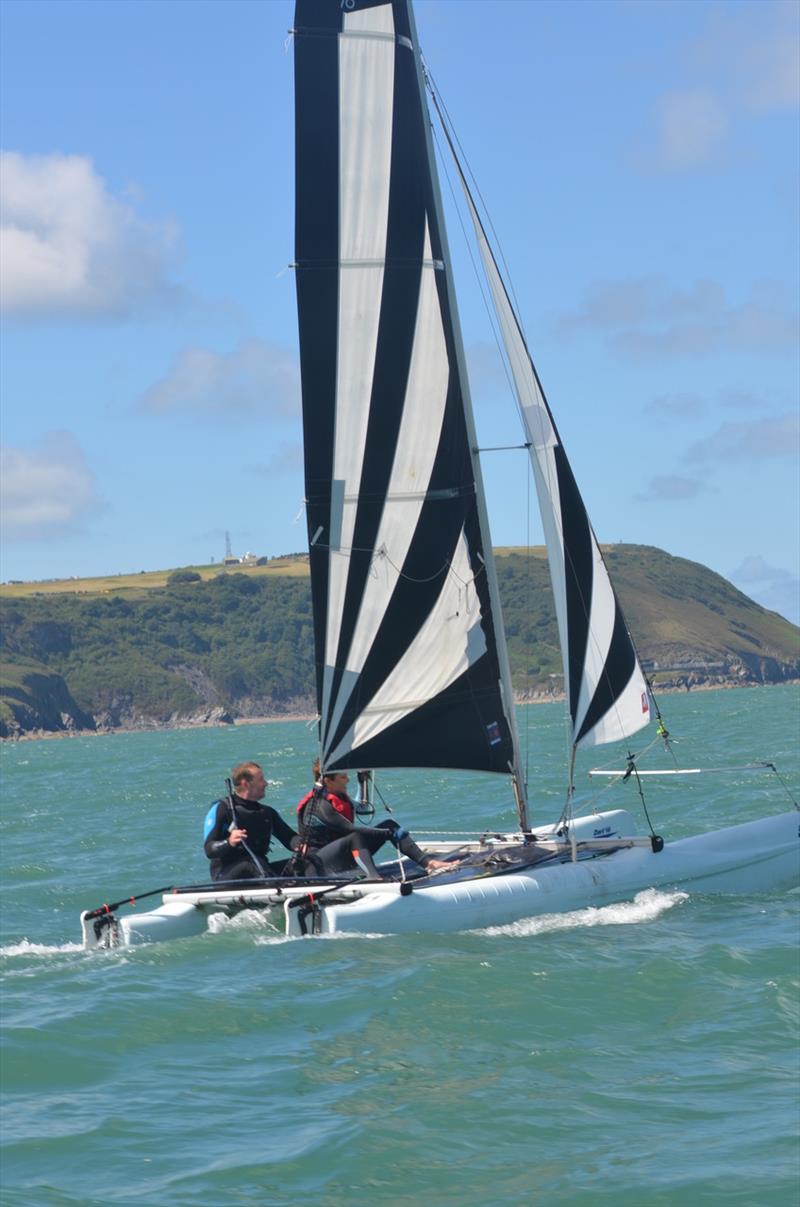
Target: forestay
x=606, y=689
x=410, y=654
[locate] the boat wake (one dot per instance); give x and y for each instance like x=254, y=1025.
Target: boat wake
x=25, y=948
x=246, y=920
x=265, y=934
x=645, y=907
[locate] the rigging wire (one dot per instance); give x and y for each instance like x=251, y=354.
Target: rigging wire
x=462, y=158
x=632, y=770
x=444, y=163
x=480, y=278
x=783, y=784
x=620, y=778
x=529, y=611
x=617, y=776
x=646, y=750
x=482, y=285
x=462, y=164
x=548, y=468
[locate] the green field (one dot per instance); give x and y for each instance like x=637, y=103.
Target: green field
x=292, y=566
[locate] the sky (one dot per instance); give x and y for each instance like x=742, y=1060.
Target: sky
x=641, y=165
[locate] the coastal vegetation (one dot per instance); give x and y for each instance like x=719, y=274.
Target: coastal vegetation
x=196, y=644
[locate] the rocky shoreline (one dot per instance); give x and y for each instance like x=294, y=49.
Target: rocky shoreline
x=219, y=717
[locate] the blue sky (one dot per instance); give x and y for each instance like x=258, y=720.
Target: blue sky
x=640, y=163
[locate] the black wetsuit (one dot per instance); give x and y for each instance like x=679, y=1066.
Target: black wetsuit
x=335, y=842
x=262, y=823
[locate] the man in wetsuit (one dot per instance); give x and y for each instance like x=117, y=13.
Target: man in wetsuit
x=334, y=843
x=237, y=842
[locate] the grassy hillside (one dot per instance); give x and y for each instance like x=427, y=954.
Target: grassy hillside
x=132, y=586
x=684, y=607
x=152, y=649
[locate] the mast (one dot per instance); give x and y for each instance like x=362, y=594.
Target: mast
x=410, y=653
x=519, y=786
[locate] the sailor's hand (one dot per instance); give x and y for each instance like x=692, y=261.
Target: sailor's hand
x=237, y=836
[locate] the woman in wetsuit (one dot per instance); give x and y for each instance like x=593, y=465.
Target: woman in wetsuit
x=332, y=842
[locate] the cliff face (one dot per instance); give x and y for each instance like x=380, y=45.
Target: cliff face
x=41, y=700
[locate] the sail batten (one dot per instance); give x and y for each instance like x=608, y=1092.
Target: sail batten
x=407, y=630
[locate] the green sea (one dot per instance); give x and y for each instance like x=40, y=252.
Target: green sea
x=641, y=1055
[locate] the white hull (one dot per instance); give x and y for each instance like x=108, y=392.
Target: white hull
x=756, y=857
x=759, y=856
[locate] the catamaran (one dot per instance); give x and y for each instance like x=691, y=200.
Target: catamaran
x=411, y=659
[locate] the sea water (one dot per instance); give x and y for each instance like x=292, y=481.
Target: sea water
x=641, y=1054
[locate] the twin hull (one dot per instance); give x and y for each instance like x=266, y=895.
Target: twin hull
x=758, y=856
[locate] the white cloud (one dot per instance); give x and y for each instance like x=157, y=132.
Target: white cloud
x=753, y=53
x=741, y=400
x=671, y=488
x=691, y=128
x=286, y=459
x=45, y=491
x=255, y=379
x=69, y=248
x=671, y=407
x=755, y=570
x=744, y=63
x=760, y=439
x=636, y=300
x=771, y=586
x=675, y=406
x=647, y=318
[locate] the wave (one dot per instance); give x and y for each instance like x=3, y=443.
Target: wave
x=645, y=907
x=25, y=948
x=246, y=920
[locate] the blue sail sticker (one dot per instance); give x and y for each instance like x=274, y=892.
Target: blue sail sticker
x=493, y=733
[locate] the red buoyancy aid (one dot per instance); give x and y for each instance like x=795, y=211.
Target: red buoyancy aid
x=302, y=804
x=342, y=804
x=314, y=830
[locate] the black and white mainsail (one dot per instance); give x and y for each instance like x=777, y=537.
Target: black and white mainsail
x=410, y=654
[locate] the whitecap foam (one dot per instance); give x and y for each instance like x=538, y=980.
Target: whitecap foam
x=265, y=933
x=25, y=948
x=246, y=919
x=645, y=907
x=356, y=934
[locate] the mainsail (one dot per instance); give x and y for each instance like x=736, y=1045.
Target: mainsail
x=410, y=654
x=606, y=690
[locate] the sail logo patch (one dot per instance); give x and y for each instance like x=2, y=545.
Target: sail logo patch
x=493, y=733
